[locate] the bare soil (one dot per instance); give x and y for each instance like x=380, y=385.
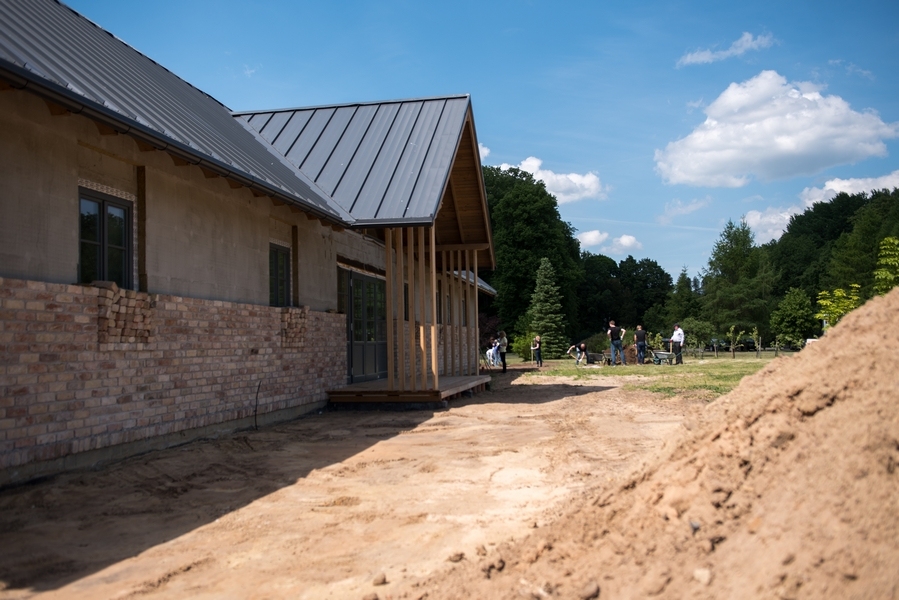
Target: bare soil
x=788, y=487
x=328, y=505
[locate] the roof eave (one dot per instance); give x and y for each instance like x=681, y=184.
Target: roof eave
x=22, y=79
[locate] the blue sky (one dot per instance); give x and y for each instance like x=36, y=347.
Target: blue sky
x=652, y=123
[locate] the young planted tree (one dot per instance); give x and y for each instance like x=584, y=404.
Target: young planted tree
x=734, y=337
x=545, y=312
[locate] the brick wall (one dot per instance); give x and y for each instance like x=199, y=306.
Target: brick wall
x=84, y=368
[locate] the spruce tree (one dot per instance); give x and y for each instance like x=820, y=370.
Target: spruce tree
x=545, y=312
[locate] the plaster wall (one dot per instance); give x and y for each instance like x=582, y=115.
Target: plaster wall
x=203, y=238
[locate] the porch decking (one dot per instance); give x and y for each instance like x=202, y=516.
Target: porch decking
x=376, y=391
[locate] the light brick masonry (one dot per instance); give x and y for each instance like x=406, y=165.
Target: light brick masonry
x=85, y=368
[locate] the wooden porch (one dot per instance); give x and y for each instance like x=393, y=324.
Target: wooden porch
x=379, y=390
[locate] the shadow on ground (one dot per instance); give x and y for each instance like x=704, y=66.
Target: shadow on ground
x=67, y=527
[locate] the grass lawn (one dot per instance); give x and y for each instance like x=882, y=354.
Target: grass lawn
x=706, y=378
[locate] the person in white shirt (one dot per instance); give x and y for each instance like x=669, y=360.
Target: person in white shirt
x=676, y=344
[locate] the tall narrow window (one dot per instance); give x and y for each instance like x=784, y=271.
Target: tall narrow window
x=278, y=275
x=104, y=251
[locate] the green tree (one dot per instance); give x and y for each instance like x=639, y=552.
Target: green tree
x=854, y=257
x=526, y=227
x=833, y=306
x=598, y=294
x=794, y=319
x=698, y=333
x=737, y=283
x=545, y=312
x=734, y=338
x=886, y=276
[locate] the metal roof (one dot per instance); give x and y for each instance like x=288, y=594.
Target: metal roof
x=385, y=163
x=52, y=50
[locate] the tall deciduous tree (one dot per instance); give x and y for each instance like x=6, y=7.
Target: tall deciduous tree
x=886, y=276
x=545, y=312
x=527, y=227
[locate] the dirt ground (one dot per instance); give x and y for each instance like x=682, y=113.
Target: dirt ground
x=788, y=487
x=331, y=504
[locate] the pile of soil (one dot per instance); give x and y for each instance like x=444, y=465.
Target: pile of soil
x=786, y=488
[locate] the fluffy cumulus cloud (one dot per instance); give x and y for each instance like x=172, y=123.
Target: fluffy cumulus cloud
x=592, y=238
x=625, y=244
x=566, y=187
x=771, y=129
x=770, y=224
x=743, y=45
x=851, y=186
x=483, y=150
x=676, y=208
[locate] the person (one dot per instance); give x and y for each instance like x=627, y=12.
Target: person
x=503, y=343
x=640, y=341
x=580, y=352
x=676, y=344
x=538, y=355
x=615, y=334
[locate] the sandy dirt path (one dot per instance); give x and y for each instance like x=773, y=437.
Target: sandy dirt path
x=328, y=505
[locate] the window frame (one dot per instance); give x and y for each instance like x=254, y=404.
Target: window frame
x=105, y=201
x=279, y=250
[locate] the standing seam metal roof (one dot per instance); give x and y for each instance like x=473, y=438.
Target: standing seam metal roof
x=48, y=47
x=382, y=162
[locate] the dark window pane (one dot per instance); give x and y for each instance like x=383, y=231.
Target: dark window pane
x=278, y=276
x=90, y=262
x=358, y=313
x=115, y=270
x=115, y=226
x=90, y=220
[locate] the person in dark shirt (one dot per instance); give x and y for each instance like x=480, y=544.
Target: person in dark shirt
x=640, y=341
x=615, y=334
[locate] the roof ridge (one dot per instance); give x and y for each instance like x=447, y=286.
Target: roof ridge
x=349, y=104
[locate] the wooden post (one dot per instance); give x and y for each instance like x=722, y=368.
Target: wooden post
x=432, y=256
x=391, y=299
x=400, y=316
x=444, y=287
x=422, y=342
x=477, y=325
x=457, y=324
x=410, y=276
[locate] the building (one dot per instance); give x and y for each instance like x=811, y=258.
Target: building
x=170, y=269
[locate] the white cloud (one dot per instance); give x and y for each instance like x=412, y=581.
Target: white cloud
x=770, y=224
x=738, y=48
x=851, y=186
x=853, y=69
x=623, y=245
x=770, y=129
x=676, y=208
x=592, y=238
x=248, y=71
x=483, y=150
x=566, y=187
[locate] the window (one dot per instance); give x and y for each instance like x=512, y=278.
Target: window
x=104, y=251
x=278, y=275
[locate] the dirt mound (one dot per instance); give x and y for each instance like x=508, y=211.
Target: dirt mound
x=789, y=488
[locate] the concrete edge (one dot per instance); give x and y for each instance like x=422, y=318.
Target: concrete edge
x=94, y=459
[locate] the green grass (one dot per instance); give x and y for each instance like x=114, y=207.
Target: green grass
x=706, y=378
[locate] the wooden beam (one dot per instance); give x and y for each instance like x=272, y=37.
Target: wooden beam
x=179, y=162
x=277, y=202
x=295, y=209
x=257, y=194
x=477, y=325
x=456, y=209
x=452, y=247
x=337, y=228
x=55, y=109
x=234, y=185
x=105, y=129
x=433, y=264
x=310, y=216
x=209, y=173
x=390, y=298
x=144, y=146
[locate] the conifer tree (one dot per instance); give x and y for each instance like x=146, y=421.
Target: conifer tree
x=545, y=312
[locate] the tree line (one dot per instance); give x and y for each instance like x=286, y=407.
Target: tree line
x=830, y=258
